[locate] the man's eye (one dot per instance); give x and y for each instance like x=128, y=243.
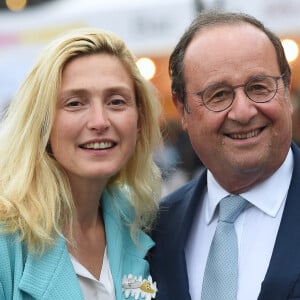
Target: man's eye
x=220, y=94
x=258, y=88
x=217, y=95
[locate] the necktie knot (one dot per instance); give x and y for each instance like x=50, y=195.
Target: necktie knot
x=231, y=207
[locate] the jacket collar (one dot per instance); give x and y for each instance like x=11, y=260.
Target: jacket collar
x=51, y=275
x=116, y=210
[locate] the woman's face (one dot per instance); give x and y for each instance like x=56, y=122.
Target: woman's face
x=96, y=124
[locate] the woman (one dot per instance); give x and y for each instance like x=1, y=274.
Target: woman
x=78, y=186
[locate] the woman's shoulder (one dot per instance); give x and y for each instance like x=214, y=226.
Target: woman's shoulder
x=11, y=261
x=10, y=245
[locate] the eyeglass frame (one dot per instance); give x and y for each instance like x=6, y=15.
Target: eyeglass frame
x=233, y=87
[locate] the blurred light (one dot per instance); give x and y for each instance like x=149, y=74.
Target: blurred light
x=291, y=49
x=146, y=67
x=16, y=4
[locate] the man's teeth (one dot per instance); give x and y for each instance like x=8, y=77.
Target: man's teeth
x=101, y=145
x=245, y=135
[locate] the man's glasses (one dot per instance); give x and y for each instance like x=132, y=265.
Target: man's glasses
x=220, y=96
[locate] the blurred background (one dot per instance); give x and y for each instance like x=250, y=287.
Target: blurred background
x=151, y=28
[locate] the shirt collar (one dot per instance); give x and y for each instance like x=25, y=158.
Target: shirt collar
x=267, y=196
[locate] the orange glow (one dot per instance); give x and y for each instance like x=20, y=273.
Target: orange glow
x=16, y=5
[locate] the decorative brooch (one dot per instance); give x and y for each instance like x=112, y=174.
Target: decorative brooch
x=137, y=287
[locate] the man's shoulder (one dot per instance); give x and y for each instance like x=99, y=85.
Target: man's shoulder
x=185, y=191
x=296, y=150
x=180, y=192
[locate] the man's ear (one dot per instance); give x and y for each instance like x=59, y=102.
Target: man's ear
x=288, y=95
x=180, y=107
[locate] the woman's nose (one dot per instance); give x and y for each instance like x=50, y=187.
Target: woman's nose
x=98, y=118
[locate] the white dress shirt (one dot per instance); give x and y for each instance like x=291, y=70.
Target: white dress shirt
x=93, y=288
x=256, y=228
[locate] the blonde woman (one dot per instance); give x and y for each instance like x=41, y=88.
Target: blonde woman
x=78, y=186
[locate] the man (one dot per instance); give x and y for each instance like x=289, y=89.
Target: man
x=231, y=87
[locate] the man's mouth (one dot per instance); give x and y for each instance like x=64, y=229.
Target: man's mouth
x=246, y=135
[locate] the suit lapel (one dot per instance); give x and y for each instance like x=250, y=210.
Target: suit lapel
x=171, y=245
x=51, y=276
x=284, y=267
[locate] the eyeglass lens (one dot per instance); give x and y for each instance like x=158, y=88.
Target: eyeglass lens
x=259, y=89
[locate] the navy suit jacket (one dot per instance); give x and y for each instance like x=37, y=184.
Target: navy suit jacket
x=167, y=260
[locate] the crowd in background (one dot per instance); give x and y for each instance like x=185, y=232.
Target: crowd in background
x=177, y=159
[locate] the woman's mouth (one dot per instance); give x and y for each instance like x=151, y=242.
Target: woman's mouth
x=98, y=145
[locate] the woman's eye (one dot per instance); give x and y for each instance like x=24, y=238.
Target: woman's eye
x=118, y=102
x=73, y=103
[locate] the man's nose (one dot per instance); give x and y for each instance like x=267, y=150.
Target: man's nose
x=242, y=108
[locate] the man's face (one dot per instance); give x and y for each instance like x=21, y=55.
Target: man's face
x=248, y=141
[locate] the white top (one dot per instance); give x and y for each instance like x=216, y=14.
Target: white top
x=93, y=288
x=256, y=228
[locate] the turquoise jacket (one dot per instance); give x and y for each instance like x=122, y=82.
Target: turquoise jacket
x=24, y=276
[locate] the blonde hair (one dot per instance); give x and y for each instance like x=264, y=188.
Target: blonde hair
x=35, y=196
